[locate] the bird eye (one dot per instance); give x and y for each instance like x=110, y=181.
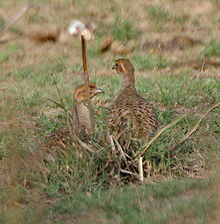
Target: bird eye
x=116, y=64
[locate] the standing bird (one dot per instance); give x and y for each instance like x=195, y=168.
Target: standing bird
x=131, y=113
x=81, y=118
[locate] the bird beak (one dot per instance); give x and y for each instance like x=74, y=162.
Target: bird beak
x=113, y=67
x=99, y=91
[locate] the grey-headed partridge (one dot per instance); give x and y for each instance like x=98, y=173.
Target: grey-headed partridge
x=130, y=111
x=81, y=118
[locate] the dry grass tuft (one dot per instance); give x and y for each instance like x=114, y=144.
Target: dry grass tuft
x=46, y=175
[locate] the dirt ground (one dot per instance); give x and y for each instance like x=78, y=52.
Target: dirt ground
x=194, y=24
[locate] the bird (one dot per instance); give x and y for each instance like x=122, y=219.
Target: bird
x=131, y=113
x=81, y=121
x=81, y=118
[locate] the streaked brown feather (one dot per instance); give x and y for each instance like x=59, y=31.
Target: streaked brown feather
x=81, y=117
x=130, y=111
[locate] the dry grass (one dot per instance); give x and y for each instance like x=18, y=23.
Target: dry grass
x=27, y=187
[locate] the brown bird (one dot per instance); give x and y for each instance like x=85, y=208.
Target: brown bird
x=81, y=118
x=131, y=113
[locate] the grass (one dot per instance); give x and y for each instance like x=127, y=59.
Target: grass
x=123, y=30
x=157, y=13
x=70, y=174
x=152, y=204
x=2, y=22
x=3, y=57
x=180, y=89
x=35, y=18
x=46, y=181
x=149, y=62
x=185, y=89
x=213, y=49
x=13, y=48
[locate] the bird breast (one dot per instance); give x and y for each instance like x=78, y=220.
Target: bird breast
x=83, y=117
x=133, y=112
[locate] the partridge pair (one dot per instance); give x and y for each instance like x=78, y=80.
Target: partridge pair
x=130, y=113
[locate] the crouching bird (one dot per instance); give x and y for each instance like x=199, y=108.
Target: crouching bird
x=131, y=113
x=81, y=118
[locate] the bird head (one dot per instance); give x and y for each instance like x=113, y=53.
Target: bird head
x=80, y=93
x=123, y=66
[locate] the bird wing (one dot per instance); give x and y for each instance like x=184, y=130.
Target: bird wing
x=136, y=113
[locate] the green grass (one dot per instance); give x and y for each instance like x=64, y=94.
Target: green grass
x=43, y=75
x=180, y=19
x=4, y=57
x=16, y=30
x=157, y=13
x=76, y=67
x=13, y=48
x=69, y=178
x=34, y=17
x=124, y=30
x=8, y=53
x=172, y=90
x=46, y=182
x=2, y=22
x=146, y=204
x=181, y=89
x=149, y=62
x=213, y=49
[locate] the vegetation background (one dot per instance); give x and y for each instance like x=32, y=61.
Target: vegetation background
x=174, y=46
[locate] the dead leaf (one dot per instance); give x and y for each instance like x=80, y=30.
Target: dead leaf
x=119, y=48
x=106, y=44
x=43, y=35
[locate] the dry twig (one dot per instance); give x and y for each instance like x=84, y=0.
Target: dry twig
x=17, y=17
x=58, y=104
x=111, y=142
x=122, y=154
x=86, y=83
x=141, y=174
x=159, y=133
x=187, y=136
x=128, y=172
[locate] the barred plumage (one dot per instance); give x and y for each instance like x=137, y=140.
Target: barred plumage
x=130, y=111
x=81, y=119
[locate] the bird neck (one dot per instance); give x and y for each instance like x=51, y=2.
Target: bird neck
x=128, y=82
